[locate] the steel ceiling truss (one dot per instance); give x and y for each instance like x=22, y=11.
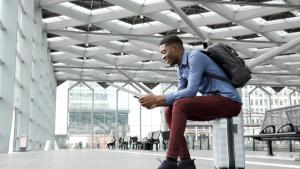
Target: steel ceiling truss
x=88, y=43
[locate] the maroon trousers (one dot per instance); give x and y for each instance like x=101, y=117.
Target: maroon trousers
x=200, y=108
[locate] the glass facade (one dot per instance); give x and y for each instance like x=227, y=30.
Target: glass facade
x=27, y=81
x=134, y=120
x=99, y=112
x=94, y=113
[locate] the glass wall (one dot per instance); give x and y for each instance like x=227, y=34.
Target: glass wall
x=27, y=84
x=94, y=113
x=132, y=119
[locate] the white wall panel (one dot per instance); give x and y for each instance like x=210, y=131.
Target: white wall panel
x=8, y=15
x=27, y=83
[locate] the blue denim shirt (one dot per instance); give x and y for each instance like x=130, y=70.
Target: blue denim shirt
x=191, y=79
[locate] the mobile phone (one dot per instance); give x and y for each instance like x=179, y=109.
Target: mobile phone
x=137, y=97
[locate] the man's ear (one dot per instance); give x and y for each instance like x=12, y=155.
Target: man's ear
x=177, y=47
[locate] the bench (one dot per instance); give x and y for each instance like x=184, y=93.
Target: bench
x=135, y=143
x=123, y=143
x=152, y=139
x=165, y=138
x=279, y=124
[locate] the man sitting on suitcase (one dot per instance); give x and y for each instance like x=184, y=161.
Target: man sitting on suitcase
x=219, y=98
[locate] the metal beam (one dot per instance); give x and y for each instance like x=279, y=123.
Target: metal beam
x=19, y=84
x=158, y=38
x=1, y=62
x=244, y=3
x=136, y=88
x=250, y=24
x=19, y=56
x=51, y=2
x=110, y=68
x=272, y=53
x=21, y=31
x=22, y=6
x=117, y=80
x=124, y=13
x=293, y=2
x=69, y=12
x=293, y=84
x=2, y=27
x=161, y=70
x=126, y=90
x=144, y=88
x=187, y=20
x=139, y=9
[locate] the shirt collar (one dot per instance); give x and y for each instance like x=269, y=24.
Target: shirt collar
x=184, y=60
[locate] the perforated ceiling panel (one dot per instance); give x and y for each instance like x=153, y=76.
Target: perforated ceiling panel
x=88, y=38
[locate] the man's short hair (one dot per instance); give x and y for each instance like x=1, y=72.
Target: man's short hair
x=170, y=39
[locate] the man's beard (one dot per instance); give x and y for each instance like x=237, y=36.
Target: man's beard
x=172, y=64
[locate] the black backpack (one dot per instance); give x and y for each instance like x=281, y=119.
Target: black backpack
x=233, y=66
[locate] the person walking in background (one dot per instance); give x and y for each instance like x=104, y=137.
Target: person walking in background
x=80, y=145
x=219, y=98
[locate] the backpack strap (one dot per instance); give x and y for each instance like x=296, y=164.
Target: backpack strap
x=229, y=49
x=214, y=76
x=211, y=75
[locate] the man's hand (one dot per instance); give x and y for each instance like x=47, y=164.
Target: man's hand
x=151, y=101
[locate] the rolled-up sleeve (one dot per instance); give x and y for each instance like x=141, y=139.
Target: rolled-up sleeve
x=169, y=98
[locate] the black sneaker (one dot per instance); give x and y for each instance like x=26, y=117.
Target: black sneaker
x=168, y=164
x=186, y=164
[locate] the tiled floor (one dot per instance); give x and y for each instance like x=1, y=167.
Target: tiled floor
x=128, y=159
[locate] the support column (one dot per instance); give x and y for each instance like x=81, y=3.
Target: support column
x=8, y=43
x=36, y=132
x=43, y=85
x=249, y=104
x=26, y=52
x=68, y=109
x=92, y=114
x=290, y=97
x=269, y=96
x=116, y=114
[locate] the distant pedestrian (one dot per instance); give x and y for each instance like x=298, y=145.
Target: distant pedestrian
x=80, y=145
